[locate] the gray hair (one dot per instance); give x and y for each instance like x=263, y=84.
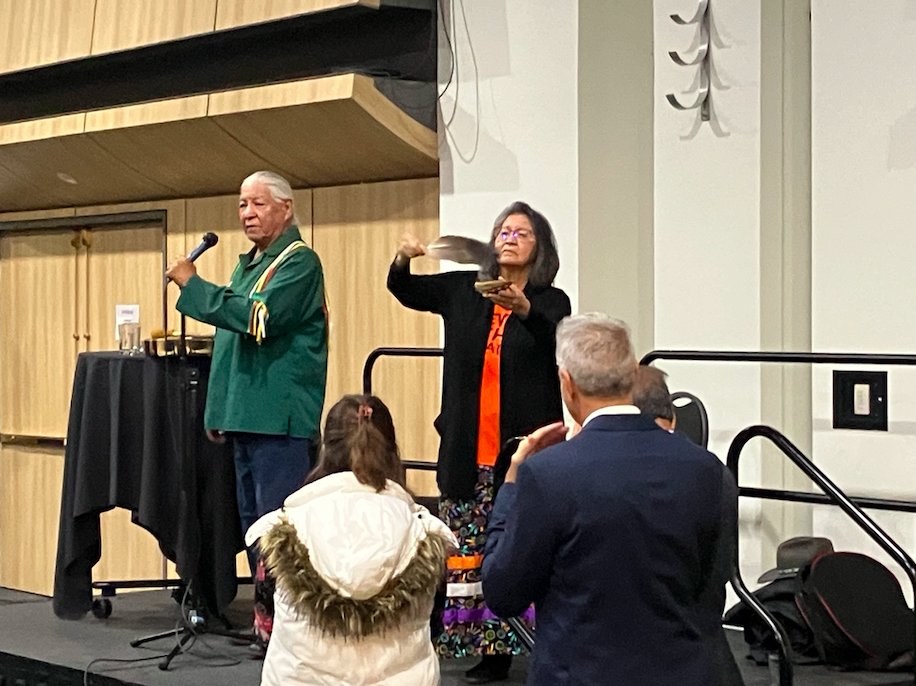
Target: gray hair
x=546, y=261
x=596, y=351
x=278, y=186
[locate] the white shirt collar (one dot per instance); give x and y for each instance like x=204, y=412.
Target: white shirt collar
x=611, y=409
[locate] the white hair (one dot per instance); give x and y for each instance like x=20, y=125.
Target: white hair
x=596, y=351
x=279, y=188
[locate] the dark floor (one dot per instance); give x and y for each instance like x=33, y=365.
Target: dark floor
x=31, y=630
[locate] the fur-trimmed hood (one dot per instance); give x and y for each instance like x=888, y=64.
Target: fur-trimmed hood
x=354, y=561
x=405, y=595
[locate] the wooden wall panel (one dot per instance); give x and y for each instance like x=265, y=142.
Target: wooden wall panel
x=364, y=136
x=357, y=229
x=36, y=214
x=219, y=215
x=175, y=144
x=231, y=13
x=23, y=183
x=39, y=129
x=343, y=131
x=123, y=24
x=39, y=32
x=146, y=114
x=128, y=551
x=38, y=308
x=30, y=481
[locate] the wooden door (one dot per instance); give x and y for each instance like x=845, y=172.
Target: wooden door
x=39, y=291
x=124, y=266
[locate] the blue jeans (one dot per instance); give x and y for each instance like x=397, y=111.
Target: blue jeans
x=267, y=469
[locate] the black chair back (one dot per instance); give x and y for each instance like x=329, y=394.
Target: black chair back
x=692, y=420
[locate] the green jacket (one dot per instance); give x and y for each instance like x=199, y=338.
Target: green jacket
x=270, y=354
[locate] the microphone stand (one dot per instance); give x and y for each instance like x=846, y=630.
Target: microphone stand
x=193, y=619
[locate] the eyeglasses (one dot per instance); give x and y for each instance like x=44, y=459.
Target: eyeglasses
x=517, y=234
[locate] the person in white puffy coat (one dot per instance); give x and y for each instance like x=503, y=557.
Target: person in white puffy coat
x=356, y=563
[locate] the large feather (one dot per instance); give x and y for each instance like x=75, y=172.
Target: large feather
x=459, y=249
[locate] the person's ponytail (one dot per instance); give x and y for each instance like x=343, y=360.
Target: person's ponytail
x=359, y=437
x=371, y=457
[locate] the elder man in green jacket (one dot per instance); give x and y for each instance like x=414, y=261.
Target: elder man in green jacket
x=270, y=354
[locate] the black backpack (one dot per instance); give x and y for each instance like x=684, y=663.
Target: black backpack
x=779, y=598
x=857, y=612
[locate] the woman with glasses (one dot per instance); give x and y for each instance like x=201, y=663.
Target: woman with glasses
x=499, y=382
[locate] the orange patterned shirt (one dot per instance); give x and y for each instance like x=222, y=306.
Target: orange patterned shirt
x=488, y=438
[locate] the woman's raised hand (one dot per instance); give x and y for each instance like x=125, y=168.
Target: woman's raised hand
x=410, y=247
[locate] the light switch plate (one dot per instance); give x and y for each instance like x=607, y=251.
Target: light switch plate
x=859, y=400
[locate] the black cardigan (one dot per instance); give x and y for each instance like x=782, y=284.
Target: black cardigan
x=529, y=387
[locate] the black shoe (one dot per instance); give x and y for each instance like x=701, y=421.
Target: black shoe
x=490, y=668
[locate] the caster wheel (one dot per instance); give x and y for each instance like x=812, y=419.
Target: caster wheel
x=101, y=608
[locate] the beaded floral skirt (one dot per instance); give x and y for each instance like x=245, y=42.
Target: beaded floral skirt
x=470, y=628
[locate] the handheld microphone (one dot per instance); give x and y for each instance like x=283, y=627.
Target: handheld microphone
x=208, y=241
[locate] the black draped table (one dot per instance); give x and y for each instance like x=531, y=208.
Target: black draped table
x=135, y=440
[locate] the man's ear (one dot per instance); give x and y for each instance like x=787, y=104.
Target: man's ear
x=567, y=385
x=666, y=424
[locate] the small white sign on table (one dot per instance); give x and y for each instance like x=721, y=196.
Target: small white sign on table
x=125, y=314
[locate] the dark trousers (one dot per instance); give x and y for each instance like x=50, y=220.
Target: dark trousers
x=267, y=469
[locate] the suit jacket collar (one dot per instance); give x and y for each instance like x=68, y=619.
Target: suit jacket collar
x=621, y=422
x=611, y=409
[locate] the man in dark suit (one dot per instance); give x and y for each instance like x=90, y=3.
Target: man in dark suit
x=613, y=534
x=652, y=397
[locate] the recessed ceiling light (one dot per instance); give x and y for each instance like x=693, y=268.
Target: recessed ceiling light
x=66, y=178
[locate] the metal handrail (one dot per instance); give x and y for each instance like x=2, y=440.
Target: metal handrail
x=833, y=495
x=392, y=352
x=421, y=465
x=854, y=503
x=820, y=499
x=751, y=356
x=836, y=497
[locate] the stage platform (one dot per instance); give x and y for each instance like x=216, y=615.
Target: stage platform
x=38, y=648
